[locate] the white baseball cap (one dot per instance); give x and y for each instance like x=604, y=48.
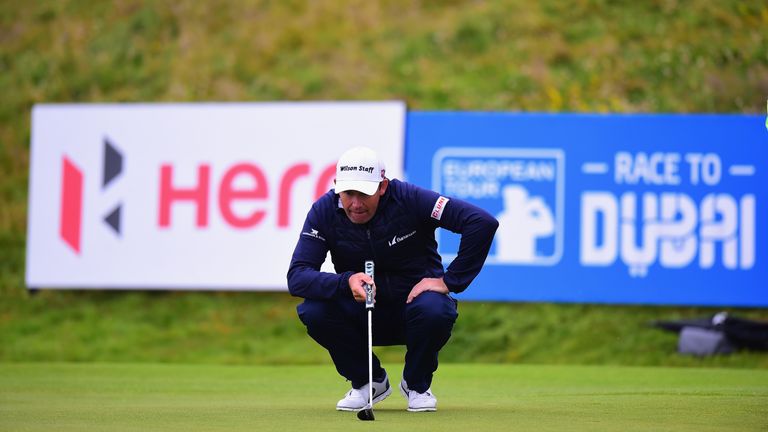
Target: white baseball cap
x=359, y=169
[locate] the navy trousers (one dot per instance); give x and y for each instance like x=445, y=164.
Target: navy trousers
x=423, y=326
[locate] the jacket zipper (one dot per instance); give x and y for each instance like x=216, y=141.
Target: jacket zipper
x=370, y=242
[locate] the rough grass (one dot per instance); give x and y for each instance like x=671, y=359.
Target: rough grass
x=262, y=328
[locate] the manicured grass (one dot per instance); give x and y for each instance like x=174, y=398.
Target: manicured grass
x=133, y=397
x=499, y=55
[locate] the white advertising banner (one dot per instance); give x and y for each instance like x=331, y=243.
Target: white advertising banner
x=186, y=196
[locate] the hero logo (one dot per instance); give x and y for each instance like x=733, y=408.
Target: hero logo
x=229, y=194
x=71, y=212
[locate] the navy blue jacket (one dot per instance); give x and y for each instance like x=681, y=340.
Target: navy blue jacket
x=400, y=239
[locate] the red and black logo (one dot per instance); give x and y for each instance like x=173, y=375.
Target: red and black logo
x=72, y=181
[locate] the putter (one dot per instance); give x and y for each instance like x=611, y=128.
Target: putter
x=367, y=412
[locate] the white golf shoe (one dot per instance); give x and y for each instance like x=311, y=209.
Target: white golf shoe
x=418, y=402
x=357, y=399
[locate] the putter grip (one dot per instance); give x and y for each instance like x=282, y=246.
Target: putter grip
x=369, y=288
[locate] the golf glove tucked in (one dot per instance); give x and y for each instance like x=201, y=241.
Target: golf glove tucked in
x=418, y=402
x=357, y=399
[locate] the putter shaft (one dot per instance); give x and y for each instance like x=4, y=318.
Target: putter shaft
x=368, y=411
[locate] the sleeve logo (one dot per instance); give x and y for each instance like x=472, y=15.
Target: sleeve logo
x=314, y=234
x=437, y=210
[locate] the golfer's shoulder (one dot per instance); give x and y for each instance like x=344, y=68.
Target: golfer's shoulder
x=326, y=205
x=410, y=195
x=402, y=190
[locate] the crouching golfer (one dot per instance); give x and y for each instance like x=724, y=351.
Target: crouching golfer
x=369, y=217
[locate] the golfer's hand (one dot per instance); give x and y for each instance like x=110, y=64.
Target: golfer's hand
x=428, y=284
x=357, y=284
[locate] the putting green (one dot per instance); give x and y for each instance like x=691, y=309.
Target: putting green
x=172, y=397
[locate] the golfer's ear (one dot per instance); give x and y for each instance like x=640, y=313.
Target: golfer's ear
x=383, y=186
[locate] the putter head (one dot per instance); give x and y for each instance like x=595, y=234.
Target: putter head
x=366, y=413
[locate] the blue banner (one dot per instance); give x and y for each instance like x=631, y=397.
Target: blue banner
x=632, y=209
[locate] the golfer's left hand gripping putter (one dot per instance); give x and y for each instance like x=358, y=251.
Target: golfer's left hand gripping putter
x=369, y=287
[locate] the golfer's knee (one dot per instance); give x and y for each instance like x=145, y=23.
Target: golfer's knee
x=313, y=313
x=432, y=308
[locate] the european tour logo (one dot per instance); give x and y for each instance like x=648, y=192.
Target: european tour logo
x=522, y=187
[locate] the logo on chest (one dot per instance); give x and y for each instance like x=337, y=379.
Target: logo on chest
x=314, y=234
x=397, y=239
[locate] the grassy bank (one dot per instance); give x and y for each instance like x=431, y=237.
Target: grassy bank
x=504, y=55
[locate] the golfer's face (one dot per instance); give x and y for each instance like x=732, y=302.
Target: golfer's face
x=360, y=207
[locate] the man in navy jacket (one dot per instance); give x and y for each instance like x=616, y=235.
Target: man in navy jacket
x=369, y=217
